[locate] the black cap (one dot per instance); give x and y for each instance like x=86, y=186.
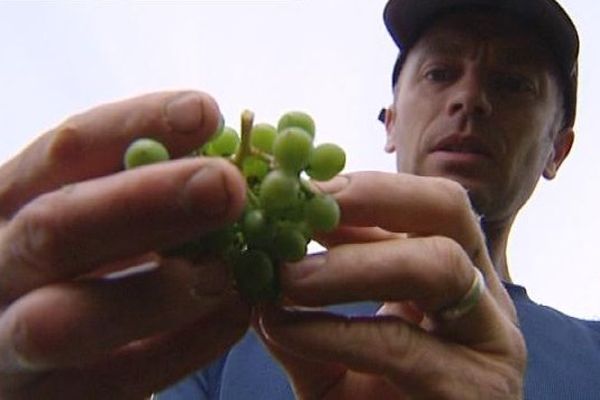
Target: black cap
x=405, y=20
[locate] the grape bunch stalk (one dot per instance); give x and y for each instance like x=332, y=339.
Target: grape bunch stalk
x=282, y=211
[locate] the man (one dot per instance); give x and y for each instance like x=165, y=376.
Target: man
x=480, y=98
x=447, y=327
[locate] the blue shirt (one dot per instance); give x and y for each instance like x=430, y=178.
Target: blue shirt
x=563, y=360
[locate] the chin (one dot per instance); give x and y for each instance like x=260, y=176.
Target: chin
x=477, y=190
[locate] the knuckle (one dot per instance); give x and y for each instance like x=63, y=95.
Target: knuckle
x=65, y=145
x=517, y=347
x=38, y=235
x=454, y=269
x=456, y=197
x=452, y=255
x=407, y=357
x=397, y=340
x=505, y=384
x=459, y=214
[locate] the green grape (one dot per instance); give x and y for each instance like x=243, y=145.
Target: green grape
x=224, y=145
x=322, y=213
x=255, y=168
x=297, y=119
x=262, y=137
x=289, y=243
x=254, y=274
x=305, y=229
x=256, y=228
x=292, y=148
x=282, y=212
x=279, y=191
x=144, y=151
x=326, y=161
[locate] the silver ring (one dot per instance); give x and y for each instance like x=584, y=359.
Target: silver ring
x=467, y=302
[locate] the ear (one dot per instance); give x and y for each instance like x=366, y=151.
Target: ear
x=561, y=148
x=390, y=116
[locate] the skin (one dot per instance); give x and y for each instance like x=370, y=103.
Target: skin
x=481, y=83
x=70, y=216
x=412, y=239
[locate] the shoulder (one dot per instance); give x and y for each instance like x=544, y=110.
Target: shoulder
x=535, y=315
x=551, y=336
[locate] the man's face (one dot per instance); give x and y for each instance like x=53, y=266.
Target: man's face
x=477, y=102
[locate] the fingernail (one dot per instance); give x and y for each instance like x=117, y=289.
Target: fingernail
x=219, y=129
x=206, y=193
x=334, y=185
x=15, y=357
x=302, y=269
x=185, y=112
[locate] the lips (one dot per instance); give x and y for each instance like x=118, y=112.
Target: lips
x=461, y=144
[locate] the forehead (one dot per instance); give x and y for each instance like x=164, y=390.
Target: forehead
x=512, y=41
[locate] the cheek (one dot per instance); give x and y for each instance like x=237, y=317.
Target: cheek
x=526, y=166
x=532, y=143
x=406, y=147
x=410, y=125
x=535, y=159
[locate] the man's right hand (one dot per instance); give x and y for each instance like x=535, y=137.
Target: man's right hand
x=70, y=214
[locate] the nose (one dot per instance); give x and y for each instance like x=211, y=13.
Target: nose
x=469, y=96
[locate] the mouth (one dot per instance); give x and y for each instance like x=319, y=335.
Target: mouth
x=465, y=146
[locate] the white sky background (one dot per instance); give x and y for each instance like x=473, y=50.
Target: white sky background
x=332, y=58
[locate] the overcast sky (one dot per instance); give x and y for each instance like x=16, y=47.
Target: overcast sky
x=331, y=58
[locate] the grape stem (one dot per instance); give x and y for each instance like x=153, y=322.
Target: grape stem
x=244, y=149
x=252, y=198
x=269, y=159
x=307, y=189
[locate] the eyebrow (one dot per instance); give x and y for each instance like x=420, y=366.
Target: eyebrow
x=442, y=46
x=523, y=54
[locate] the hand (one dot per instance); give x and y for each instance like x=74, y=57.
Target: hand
x=70, y=216
x=412, y=243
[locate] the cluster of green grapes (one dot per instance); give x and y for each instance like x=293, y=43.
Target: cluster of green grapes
x=282, y=211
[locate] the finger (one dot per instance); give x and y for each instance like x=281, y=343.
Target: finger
x=388, y=347
x=416, y=205
x=354, y=234
x=435, y=273
x=146, y=366
x=314, y=379
x=407, y=203
x=80, y=322
x=306, y=376
x=92, y=143
x=431, y=271
x=113, y=217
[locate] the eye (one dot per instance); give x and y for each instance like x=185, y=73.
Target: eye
x=440, y=74
x=513, y=83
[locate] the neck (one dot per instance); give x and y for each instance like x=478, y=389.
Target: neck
x=496, y=233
